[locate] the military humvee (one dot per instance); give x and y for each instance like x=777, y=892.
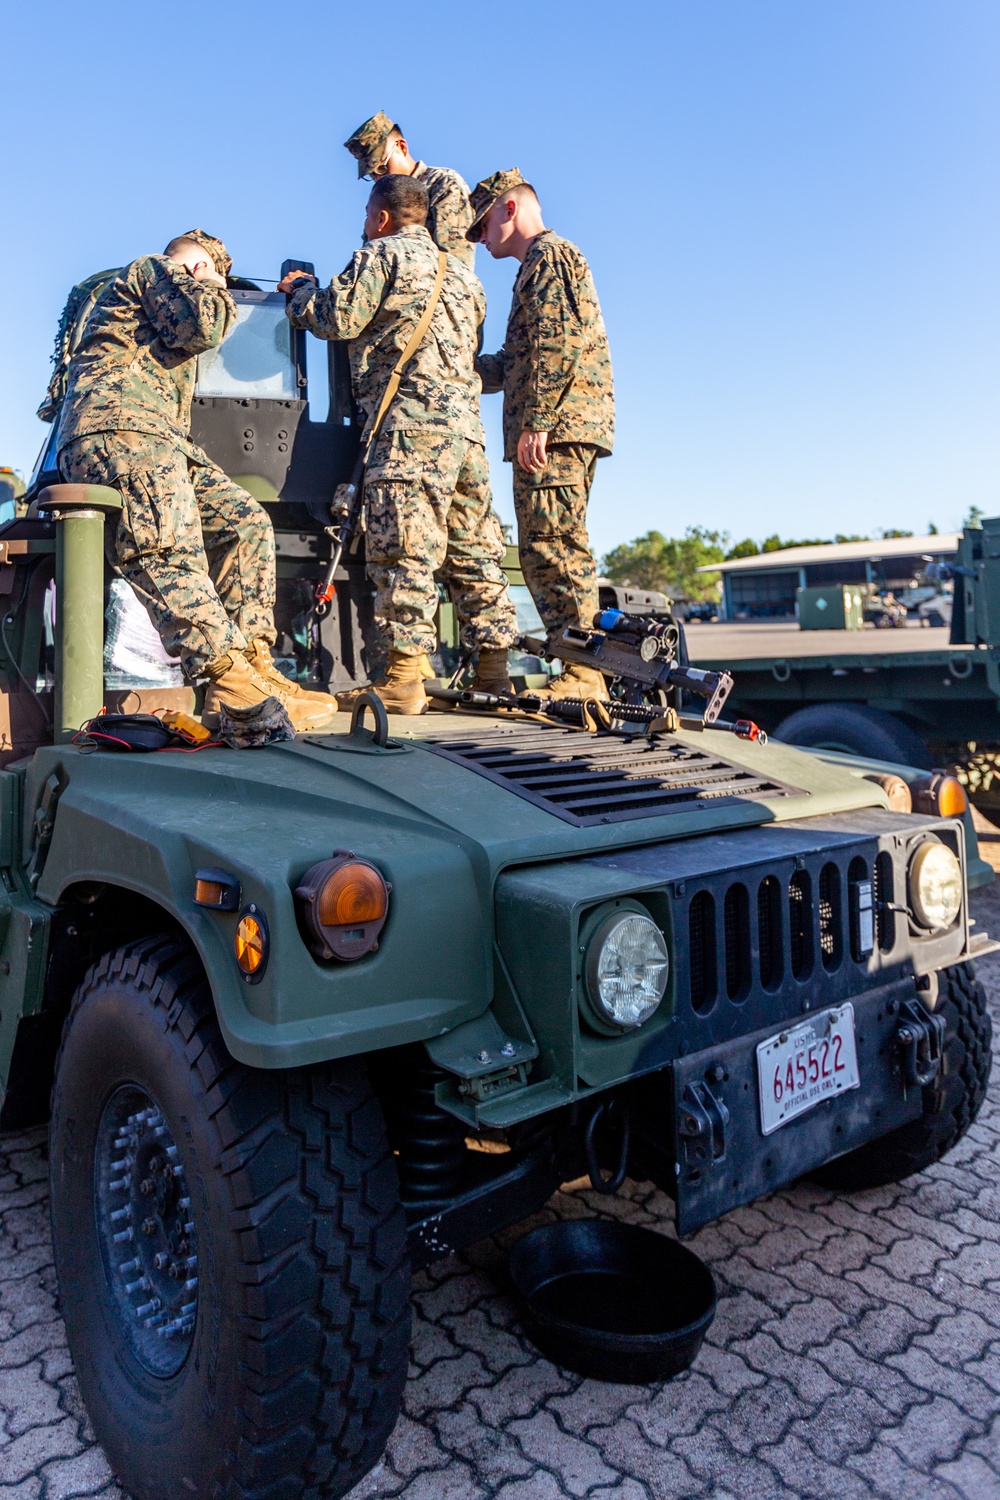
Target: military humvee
x=315, y=1014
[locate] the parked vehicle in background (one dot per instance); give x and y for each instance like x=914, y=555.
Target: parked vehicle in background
x=697, y=610
x=884, y=611
x=913, y=704
x=937, y=610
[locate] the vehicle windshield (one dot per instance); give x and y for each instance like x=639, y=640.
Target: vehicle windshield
x=256, y=360
x=529, y=621
x=46, y=463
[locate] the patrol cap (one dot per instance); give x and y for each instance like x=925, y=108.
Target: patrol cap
x=216, y=249
x=368, y=142
x=486, y=193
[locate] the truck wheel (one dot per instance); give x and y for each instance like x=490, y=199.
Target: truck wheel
x=229, y=1244
x=854, y=729
x=952, y=1099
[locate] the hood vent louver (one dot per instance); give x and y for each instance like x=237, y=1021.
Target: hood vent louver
x=587, y=780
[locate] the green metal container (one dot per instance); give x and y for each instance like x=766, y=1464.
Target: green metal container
x=839, y=606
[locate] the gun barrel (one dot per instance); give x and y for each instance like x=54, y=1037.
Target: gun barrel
x=714, y=686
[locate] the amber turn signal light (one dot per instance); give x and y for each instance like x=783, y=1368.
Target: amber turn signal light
x=250, y=942
x=217, y=889
x=940, y=795
x=343, y=903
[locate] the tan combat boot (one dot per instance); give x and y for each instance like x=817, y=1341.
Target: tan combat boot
x=233, y=683
x=258, y=654
x=401, y=689
x=492, y=675
x=578, y=682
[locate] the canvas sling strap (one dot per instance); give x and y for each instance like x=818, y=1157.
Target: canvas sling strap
x=412, y=345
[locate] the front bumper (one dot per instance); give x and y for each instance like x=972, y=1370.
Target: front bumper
x=728, y=1160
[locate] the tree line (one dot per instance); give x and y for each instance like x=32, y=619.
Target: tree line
x=670, y=564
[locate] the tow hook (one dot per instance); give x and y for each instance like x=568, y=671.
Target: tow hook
x=702, y=1122
x=612, y=1113
x=920, y=1037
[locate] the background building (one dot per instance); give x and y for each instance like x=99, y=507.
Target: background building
x=763, y=587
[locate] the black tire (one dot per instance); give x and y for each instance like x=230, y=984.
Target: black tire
x=952, y=1099
x=855, y=729
x=283, y=1376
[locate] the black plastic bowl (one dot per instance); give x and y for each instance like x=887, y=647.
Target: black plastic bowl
x=612, y=1301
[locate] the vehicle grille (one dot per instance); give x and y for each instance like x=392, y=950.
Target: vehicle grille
x=587, y=779
x=883, y=895
x=748, y=948
x=701, y=949
x=829, y=916
x=769, y=931
x=736, y=916
x=799, y=925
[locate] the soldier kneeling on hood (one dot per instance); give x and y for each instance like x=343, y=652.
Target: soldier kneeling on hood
x=197, y=549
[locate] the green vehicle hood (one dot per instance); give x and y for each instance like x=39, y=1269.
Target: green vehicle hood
x=439, y=831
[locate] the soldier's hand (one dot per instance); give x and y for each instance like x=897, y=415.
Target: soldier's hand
x=532, y=452
x=288, y=283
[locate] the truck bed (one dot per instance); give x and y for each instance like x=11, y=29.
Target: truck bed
x=947, y=694
x=759, y=642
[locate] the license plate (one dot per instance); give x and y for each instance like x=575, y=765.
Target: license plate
x=805, y=1064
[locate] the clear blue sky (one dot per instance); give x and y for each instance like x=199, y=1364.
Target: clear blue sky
x=791, y=208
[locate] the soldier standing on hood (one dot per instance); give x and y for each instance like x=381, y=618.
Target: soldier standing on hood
x=428, y=506
x=381, y=150
x=558, y=406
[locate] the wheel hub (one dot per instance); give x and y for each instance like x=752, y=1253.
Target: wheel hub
x=146, y=1230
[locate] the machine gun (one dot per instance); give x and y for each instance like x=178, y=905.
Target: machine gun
x=591, y=714
x=640, y=654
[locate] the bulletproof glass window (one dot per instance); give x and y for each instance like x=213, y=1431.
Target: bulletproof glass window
x=256, y=360
x=47, y=461
x=529, y=621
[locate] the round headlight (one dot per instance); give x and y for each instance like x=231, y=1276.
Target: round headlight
x=935, y=886
x=627, y=969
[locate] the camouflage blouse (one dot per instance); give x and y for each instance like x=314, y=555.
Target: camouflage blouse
x=554, y=368
x=449, y=212
x=376, y=304
x=135, y=367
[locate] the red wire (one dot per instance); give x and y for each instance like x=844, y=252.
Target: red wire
x=193, y=749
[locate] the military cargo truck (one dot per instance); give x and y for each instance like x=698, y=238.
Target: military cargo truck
x=306, y=1016
x=918, y=703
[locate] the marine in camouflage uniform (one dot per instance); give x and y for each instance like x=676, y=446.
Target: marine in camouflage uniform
x=449, y=212
x=555, y=373
x=197, y=549
x=428, y=507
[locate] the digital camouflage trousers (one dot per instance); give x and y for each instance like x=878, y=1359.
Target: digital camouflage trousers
x=197, y=549
x=551, y=510
x=428, y=510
